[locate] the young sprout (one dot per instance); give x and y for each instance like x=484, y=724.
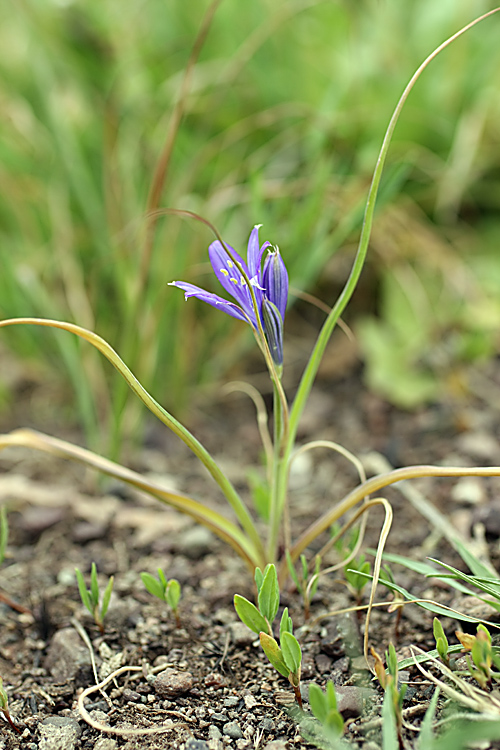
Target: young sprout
x=442, y=645
x=324, y=707
x=306, y=584
x=356, y=582
x=167, y=591
x=286, y=657
x=4, y=707
x=90, y=597
x=482, y=654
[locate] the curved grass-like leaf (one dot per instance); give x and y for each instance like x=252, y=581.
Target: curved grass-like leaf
x=313, y=364
x=106, y=597
x=222, y=527
x=346, y=294
x=162, y=414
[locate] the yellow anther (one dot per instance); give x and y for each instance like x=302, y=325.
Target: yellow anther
x=230, y=263
x=235, y=281
x=223, y=270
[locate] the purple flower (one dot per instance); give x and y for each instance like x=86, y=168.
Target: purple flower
x=270, y=286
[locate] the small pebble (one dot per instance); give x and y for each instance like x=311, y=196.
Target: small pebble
x=194, y=744
x=350, y=699
x=267, y=724
x=172, y=683
x=231, y=701
x=131, y=696
x=219, y=716
x=232, y=729
x=216, y=680
x=241, y=635
x=277, y=745
x=214, y=732
x=58, y=732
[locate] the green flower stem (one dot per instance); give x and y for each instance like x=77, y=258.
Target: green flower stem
x=374, y=485
x=177, y=428
x=278, y=478
x=311, y=369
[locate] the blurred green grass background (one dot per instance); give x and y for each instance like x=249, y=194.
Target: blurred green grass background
x=283, y=120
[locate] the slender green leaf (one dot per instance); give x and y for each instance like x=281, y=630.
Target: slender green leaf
x=258, y=577
x=173, y=593
x=389, y=731
x=315, y=576
x=153, y=585
x=273, y=653
x=84, y=593
x=286, y=625
x=330, y=696
x=426, y=605
x=292, y=654
x=250, y=615
x=106, y=597
x=269, y=594
x=318, y=702
x=94, y=585
x=472, y=580
x=162, y=579
x=477, y=567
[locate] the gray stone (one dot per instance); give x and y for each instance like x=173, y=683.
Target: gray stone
x=172, y=683
x=195, y=543
x=231, y=701
x=267, y=724
x=194, y=744
x=214, y=732
x=58, y=733
x=350, y=700
x=232, y=729
x=241, y=635
x=68, y=657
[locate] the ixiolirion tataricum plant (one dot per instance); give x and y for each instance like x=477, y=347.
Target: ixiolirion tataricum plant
x=258, y=287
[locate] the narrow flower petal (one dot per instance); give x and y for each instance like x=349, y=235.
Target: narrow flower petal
x=230, y=277
x=254, y=252
x=190, y=290
x=273, y=329
x=275, y=281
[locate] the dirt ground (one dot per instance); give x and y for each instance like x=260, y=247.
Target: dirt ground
x=206, y=684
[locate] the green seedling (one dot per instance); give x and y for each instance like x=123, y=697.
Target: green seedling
x=482, y=656
x=324, y=708
x=4, y=707
x=168, y=591
x=442, y=645
x=286, y=657
x=90, y=597
x=355, y=575
x=306, y=584
x=394, y=695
